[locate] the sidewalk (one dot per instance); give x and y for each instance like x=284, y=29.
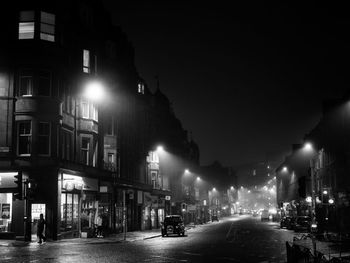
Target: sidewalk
x=113, y=238
x=327, y=248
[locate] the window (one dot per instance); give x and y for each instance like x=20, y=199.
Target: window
x=85, y=109
x=44, y=83
x=141, y=88
x=85, y=148
x=26, y=85
x=67, y=143
x=24, y=137
x=47, y=26
x=110, y=126
x=111, y=158
x=86, y=61
x=26, y=25
x=44, y=138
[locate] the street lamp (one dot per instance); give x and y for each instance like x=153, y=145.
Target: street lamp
x=160, y=148
x=309, y=148
x=94, y=91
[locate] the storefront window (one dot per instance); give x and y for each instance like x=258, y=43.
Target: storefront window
x=37, y=209
x=88, y=212
x=5, y=212
x=69, y=211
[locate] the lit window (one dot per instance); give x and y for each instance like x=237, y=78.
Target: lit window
x=47, y=26
x=24, y=137
x=44, y=138
x=85, y=148
x=86, y=61
x=141, y=88
x=111, y=158
x=93, y=112
x=26, y=25
x=85, y=109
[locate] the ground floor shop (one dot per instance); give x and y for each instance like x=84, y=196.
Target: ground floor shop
x=72, y=202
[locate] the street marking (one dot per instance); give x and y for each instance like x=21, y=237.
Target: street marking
x=229, y=231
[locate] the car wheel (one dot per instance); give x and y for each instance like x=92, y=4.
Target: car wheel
x=183, y=233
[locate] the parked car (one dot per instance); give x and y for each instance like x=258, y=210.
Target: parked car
x=287, y=222
x=265, y=216
x=214, y=218
x=302, y=223
x=173, y=224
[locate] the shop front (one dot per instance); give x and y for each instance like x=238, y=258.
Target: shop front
x=79, y=205
x=11, y=211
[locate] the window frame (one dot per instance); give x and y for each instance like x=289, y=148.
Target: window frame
x=85, y=151
x=44, y=34
x=45, y=135
x=28, y=135
x=43, y=75
x=86, y=61
x=23, y=21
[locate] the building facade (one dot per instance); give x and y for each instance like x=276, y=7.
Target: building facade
x=67, y=155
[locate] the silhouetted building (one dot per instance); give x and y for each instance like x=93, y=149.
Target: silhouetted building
x=76, y=157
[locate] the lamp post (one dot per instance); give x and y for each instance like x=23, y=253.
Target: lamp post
x=93, y=91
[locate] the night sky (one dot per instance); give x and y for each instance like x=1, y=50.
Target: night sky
x=247, y=80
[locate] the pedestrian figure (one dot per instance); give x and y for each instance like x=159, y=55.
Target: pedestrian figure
x=99, y=226
x=41, y=229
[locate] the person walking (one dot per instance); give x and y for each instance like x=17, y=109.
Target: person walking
x=41, y=229
x=99, y=226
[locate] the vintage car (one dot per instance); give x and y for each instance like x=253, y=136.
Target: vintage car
x=173, y=224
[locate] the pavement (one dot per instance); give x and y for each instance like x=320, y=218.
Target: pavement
x=330, y=249
x=113, y=238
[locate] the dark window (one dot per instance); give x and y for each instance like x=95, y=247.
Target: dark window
x=110, y=126
x=24, y=137
x=85, y=148
x=44, y=138
x=44, y=84
x=67, y=143
x=47, y=26
x=26, y=85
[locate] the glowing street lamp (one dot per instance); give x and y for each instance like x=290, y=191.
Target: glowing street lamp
x=285, y=169
x=198, y=178
x=160, y=148
x=308, y=147
x=94, y=91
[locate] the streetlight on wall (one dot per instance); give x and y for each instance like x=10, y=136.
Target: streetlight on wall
x=93, y=91
x=308, y=148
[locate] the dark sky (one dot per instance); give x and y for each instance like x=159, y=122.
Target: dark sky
x=247, y=80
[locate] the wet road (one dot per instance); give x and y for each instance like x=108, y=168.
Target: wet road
x=236, y=239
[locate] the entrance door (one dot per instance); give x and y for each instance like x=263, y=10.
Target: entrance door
x=36, y=210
